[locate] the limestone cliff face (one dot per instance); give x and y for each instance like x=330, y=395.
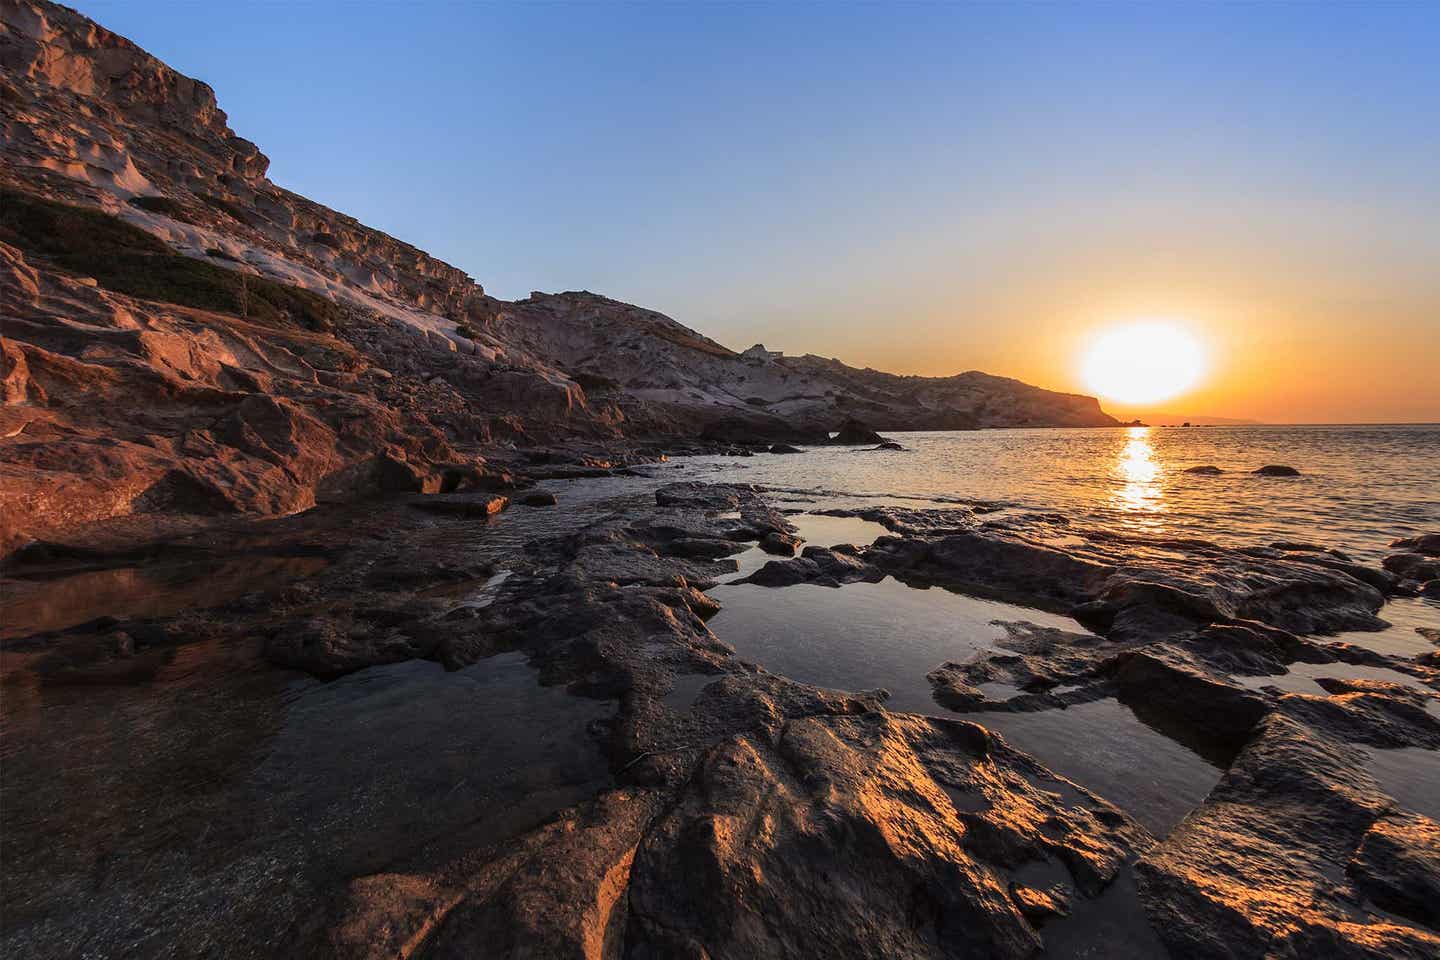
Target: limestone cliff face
x=183, y=334
x=663, y=373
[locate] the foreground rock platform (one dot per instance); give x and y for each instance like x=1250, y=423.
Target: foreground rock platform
x=752, y=815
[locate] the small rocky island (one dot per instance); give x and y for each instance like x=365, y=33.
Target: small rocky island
x=276, y=681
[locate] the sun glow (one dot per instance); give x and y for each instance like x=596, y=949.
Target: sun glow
x=1143, y=362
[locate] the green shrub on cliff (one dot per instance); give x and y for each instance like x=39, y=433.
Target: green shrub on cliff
x=126, y=259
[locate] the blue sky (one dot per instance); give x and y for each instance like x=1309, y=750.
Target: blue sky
x=925, y=188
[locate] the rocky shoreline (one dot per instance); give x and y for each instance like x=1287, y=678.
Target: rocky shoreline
x=351, y=611
x=729, y=811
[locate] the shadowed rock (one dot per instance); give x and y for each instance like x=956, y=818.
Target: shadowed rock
x=1427, y=543
x=853, y=433
x=1398, y=866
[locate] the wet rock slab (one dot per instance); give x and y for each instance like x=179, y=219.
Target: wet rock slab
x=654, y=795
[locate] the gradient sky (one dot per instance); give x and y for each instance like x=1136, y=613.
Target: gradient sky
x=924, y=189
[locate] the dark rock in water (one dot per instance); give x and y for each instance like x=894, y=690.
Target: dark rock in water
x=462, y=506
x=1293, y=546
x=1208, y=470
x=853, y=433
x=396, y=573
x=692, y=494
x=760, y=432
x=1048, y=578
x=700, y=549
x=1413, y=566
x=1430, y=589
x=539, y=499
x=1180, y=695
x=329, y=649
x=887, y=445
x=1277, y=470
x=1398, y=867
x=785, y=448
x=780, y=543
x=1426, y=543
x=820, y=566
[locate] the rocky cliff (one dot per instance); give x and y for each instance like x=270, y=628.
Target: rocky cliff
x=181, y=335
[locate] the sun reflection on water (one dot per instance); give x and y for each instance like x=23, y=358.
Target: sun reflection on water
x=1139, y=473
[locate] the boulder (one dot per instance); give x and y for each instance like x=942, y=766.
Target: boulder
x=1276, y=470
x=819, y=565
x=480, y=507
x=783, y=544
x=853, y=433
x=1426, y=543
x=539, y=499
x=1413, y=566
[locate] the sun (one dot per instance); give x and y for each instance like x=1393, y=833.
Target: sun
x=1143, y=362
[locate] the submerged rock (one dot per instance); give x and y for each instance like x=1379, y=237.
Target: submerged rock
x=329, y=649
x=1277, y=470
x=1207, y=470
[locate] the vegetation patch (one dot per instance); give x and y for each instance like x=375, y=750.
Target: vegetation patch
x=686, y=339
x=126, y=259
x=162, y=205
x=594, y=382
x=234, y=211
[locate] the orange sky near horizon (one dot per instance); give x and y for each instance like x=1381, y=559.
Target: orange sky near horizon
x=1317, y=341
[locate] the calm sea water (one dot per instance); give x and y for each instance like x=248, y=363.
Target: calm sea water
x=1361, y=486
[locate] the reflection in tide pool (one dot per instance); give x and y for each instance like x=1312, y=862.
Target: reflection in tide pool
x=864, y=635
x=1140, y=498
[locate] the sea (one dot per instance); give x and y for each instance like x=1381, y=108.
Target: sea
x=1359, y=488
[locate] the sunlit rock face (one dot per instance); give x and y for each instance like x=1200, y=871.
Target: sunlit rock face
x=887, y=835
x=231, y=287
x=1293, y=808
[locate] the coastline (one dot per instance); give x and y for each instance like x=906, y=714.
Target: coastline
x=348, y=610
x=685, y=790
